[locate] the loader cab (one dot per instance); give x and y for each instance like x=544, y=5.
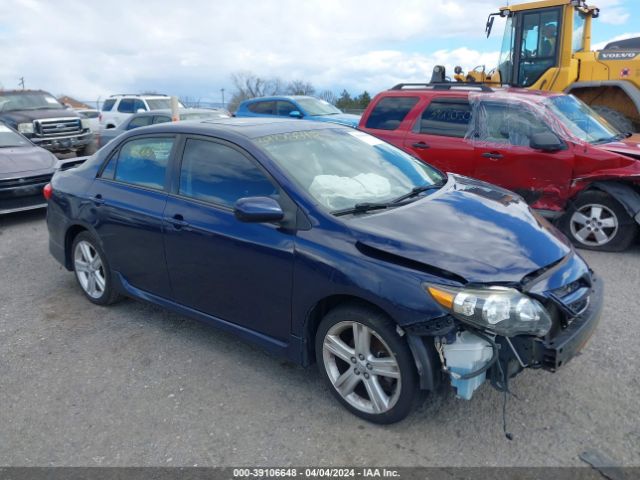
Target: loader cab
x=539, y=37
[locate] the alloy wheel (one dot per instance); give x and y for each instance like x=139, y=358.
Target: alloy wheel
x=89, y=269
x=594, y=225
x=361, y=367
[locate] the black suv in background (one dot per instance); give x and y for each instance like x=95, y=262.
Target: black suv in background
x=46, y=122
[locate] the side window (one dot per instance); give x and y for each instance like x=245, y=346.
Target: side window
x=108, y=104
x=139, y=105
x=389, y=112
x=161, y=119
x=143, y=162
x=126, y=105
x=220, y=174
x=263, y=108
x=285, y=108
x=508, y=124
x=141, y=121
x=448, y=119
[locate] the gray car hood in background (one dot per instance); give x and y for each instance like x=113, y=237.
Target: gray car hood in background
x=15, y=160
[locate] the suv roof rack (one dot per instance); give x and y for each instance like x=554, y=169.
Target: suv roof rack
x=443, y=86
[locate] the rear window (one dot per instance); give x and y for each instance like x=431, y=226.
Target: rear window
x=141, y=162
x=446, y=118
x=389, y=112
x=108, y=105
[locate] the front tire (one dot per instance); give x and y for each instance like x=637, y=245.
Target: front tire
x=596, y=221
x=92, y=270
x=368, y=366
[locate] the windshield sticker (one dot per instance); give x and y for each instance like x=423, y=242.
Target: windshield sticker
x=4, y=128
x=288, y=137
x=51, y=100
x=366, y=138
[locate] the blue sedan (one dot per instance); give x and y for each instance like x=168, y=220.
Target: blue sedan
x=322, y=243
x=296, y=106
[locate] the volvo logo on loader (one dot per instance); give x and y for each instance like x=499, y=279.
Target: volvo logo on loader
x=618, y=55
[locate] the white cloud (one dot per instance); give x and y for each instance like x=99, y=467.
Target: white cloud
x=91, y=49
x=624, y=36
x=612, y=13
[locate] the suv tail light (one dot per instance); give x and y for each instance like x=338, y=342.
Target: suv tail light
x=47, y=191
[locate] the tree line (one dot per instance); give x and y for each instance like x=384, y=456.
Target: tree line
x=249, y=85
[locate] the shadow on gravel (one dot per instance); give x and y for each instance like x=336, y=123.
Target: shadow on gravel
x=20, y=218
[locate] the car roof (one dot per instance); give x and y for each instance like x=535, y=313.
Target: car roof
x=278, y=97
x=249, y=127
x=167, y=111
x=140, y=95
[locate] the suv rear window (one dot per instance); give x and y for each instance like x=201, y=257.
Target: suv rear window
x=108, y=104
x=389, y=112
x=446, y=118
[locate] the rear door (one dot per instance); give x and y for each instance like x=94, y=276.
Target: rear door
x=437, y=135
x=503, y=155
x=129, y=198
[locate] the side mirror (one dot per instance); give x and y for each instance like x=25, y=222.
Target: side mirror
x=295, y=114
x=258, y=210
x=546, y=141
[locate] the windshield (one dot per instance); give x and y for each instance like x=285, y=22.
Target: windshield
x=341, y=168
x=28, y=101
x=581, y=120
x=313, y=106
x=161, y=104
x=505, y=63
x=9, y=138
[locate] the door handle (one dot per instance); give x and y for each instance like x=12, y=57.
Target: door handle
x=493, y=155
x=98, y=200
x=420, y=145
x=177, y=221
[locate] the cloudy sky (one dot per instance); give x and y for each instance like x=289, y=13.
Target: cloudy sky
x=94, y=48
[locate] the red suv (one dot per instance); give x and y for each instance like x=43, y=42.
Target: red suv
x=550, y=148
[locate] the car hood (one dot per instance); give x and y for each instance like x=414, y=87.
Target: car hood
x=25, y=159
x=628, y=146
x=469, y=228
x=23, y=116
x=341, y=118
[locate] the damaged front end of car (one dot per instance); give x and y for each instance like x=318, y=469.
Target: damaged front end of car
x=496, y=331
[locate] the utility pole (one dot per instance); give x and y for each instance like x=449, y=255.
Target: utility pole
x=222, y=90
x=21, y=82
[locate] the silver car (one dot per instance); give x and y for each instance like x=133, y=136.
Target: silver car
x=24, y=170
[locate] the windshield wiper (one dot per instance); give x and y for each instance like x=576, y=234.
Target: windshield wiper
x=415, y=191
x=396, y=202
x=363, y=207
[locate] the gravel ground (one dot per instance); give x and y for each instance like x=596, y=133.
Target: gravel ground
x=82, y=385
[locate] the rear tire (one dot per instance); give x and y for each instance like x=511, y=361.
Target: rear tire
x=615, y=118
x=92, y=270
x=596, y=221
x=368, y=366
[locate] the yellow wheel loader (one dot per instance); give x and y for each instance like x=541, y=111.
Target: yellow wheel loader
x=547, y=46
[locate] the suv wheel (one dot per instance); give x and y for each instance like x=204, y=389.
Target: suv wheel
x=92, y=270
x=367, y=364
x=596, y=221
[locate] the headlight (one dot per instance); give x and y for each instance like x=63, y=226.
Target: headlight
x=25, y=127
x=85, y=123
x=504, y=311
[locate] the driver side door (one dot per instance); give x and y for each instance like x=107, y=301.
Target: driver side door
x=503, y=155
